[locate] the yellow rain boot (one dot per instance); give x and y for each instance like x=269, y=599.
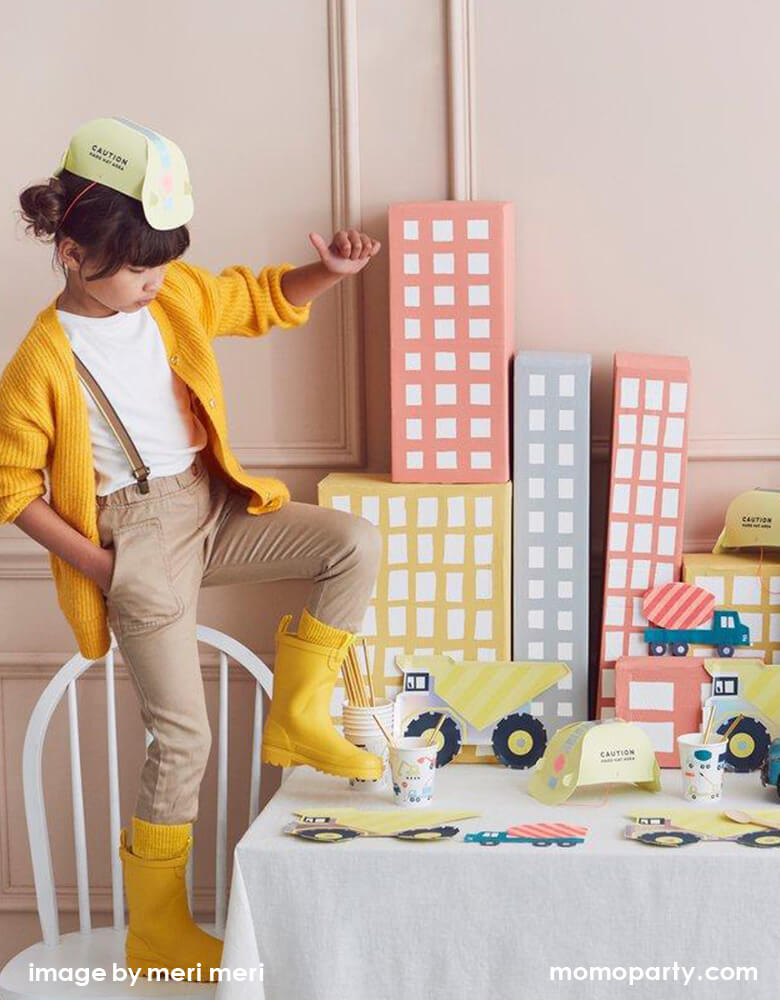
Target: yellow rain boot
x=161, y=932
x=299, y=729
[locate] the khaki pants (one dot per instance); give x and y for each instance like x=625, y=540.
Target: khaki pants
x=192, y=529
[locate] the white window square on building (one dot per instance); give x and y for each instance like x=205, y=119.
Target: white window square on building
x=414, y=395
x=454, y=549
x=412, y=362
x=672, y=467
x=535, y=556
x=342, y=503
x=616, y=576
x=398, y=585
x=673, y=435
x=456, y=512
x=479, y=295
x=640, y=574
x=536, y=618
x=480, y=427
x=479, y=361
x=444, y=361
x=566, y=385
x=479, y=329
x=565, y=488
x=664, y=573
x=645, y=500
x=425, y=549
x=412, y=329
x=648, y=465
x=456, y=621
x=454, y=588
x=442, y=230
x=774, y=589
x=755, y=622
x=396, y=509
x=536, y=420
x=650, y=425
x=446, y=394
x=643, y=537
x=715, y=584
x=670, y=503
x=412, y=296
x=678, y=393
x=396, y=548
x=414, y=460
x=636, y=644
x=427, y=512
x=486, y=653
x=411, y=263
x=535, y=650
x=480, y=460
x=484, y=584
x=613, y=648
x=624, y=463
x=565, y=557
x=637, y=618
x=629, y=393
x=535, y=488
x=396, y=620
x=446, y=427
x=411, y=229
x=444, y=329
x=479, y=263
x=565, y=621
x=746, y=590
x=565, y=522
x=483, y=550
x=621, y=498
x=368, y=625
x=536, y=453
x=425, y=618
x=444, y=263
x=666, y=540
x=615, y=610
x=444, y=295
x=414, y=429
x=478, y=229
x=627, y=428
x=425, y=586
x=565, y=709
x=618, y=536
x=565, y=420
x=774, y=631
x=536, y=521
x=565, y=454
x=479, y=394
x=565, y=590
x=483, y=512
x=654, y=394
x=483, y=624
x=535, y=589
x=535, y=385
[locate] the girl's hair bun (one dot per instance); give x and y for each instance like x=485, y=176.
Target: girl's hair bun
x=43, y=205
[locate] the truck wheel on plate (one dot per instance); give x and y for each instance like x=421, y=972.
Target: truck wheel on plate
x=656, y=648
x=760, y=838
x=519, y=740
x=727, y=651
x=448, y=737
x=327, y=835
x=679, y=648
x=429, y=833
x=747, y=746
x=671, y=838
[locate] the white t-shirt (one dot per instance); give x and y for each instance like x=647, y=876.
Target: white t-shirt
x=127, y=356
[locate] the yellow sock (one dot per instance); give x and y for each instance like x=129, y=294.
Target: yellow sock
x=313, y=630
x=158, y=840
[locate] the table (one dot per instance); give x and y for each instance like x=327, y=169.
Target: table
x=381, y=919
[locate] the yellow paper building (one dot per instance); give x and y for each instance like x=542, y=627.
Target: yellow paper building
x=444, y=578
x=750, y=585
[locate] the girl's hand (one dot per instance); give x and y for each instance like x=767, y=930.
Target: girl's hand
x=105, y=574
x=349, y=251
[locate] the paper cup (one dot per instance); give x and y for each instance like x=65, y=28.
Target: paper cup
x=701, y=767
x=361, y=729
x=413, y=767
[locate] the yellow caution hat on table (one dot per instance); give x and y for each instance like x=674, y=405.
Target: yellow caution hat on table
x=752, y=521
x=133, y=159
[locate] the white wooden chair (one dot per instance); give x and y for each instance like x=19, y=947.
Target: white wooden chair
x=91, y=947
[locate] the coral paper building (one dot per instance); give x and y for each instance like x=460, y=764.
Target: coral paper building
x=646, y=502
x=451, y=340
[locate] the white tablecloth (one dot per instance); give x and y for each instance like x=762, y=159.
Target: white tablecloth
x=381, y=919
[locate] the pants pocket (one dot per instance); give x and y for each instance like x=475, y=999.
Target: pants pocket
x=141, y=593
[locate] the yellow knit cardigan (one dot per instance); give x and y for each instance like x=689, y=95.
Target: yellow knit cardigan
x=44, y=421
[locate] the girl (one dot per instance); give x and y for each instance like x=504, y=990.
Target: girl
x=144, y=512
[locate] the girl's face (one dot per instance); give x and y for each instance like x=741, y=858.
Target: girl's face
x=129, y=290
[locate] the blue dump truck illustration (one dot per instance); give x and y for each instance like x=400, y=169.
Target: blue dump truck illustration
x=726, y=633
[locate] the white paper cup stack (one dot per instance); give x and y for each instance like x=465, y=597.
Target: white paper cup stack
x=360, y=729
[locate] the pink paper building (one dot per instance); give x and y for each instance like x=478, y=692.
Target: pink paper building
x=646, y=502
x=451, y=340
